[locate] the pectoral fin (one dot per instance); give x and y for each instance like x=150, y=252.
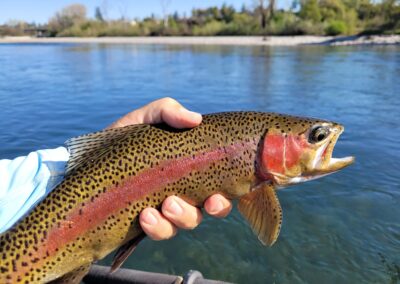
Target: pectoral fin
x=262, y=210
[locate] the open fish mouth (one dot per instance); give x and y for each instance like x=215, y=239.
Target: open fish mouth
x=324, y=162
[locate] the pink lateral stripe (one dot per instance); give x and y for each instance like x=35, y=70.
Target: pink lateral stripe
x=132, y=189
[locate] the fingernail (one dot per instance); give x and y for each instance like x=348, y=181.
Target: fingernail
x=217, y=207
x=194, y=115
x=149, y=219
x=174, y=208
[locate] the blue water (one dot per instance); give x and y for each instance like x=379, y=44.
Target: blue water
x=335, y=230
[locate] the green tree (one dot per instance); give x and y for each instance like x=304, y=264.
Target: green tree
x=175, y=16
x=367, y=10
x=332, y=9
x=244, y=9
x=227, y=13
x=164, y=7
x=213, y=13
x=71, y=15
x=262, y=12
x=389, y=9
x=336, y=28
x=310, y=11
x=319, y=17
x=98, y=15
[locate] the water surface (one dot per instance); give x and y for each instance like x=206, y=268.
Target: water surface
x=334, y=229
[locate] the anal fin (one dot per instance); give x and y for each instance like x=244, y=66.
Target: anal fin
x=125, y=251
x=262, y=210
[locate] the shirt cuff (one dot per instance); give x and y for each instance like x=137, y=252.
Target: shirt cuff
x=25, y=181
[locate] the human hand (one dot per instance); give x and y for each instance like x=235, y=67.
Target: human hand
x=175, y=212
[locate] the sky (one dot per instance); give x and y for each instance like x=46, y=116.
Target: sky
x=40, y=11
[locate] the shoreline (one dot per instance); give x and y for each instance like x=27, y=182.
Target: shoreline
x=220, y=40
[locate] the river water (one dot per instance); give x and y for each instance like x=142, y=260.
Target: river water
x=343, y=228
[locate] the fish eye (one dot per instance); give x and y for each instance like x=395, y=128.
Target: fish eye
x=318, y=134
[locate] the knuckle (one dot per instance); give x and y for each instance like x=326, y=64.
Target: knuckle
x=169, y=101
x=169, y=199
x=166, y=207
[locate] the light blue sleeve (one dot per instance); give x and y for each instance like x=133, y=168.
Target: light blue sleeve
x=26, y=180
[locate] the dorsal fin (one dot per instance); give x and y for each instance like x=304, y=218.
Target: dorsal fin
x=262, y=210
x=93, y=145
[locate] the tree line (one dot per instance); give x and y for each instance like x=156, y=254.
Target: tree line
x=304, y=17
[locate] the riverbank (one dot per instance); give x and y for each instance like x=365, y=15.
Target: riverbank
x=221, y=40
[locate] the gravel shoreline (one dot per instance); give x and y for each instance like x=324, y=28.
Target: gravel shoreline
x=221, y=40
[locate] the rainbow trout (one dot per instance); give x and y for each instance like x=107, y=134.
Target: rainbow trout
x=114, y=174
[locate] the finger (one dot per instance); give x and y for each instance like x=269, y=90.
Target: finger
x=156, y=226
x=218, y=206
x=173, y=113
x=181, y=213
x=164, y=110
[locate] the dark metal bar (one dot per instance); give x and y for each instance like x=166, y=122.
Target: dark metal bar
x=101, y=275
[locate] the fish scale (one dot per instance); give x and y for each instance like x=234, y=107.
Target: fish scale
x=113, y=175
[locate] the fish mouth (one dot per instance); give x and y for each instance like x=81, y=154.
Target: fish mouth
x=323, y=163
x=326, y=164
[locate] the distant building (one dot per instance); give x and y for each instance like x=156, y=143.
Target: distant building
x=37, y=32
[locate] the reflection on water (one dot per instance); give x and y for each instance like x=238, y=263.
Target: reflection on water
x=334, y=228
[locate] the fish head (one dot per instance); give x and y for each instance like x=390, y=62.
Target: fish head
x=297, y=150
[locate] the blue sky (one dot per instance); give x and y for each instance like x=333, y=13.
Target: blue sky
x=40, y=11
